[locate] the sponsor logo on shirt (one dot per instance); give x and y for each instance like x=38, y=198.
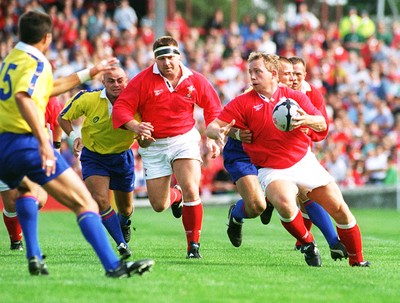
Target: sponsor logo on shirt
x=258, y=107
x=158, y=92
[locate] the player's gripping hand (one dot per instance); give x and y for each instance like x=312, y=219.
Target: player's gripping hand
x=300, y=119
x=48, y=158
x=144, y=131
x=77, y=147
x=223, y=132
x=245, y=135
x=214, y=148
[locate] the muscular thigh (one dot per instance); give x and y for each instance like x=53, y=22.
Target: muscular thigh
x=250, y=190
x=69, y=189
x=188, y=174
x=158, y=192
x=99, y=188
x=283, y=194
x=329, y=197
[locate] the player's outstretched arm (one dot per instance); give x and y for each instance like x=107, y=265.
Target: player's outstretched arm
x=64, y=84
x=218, y=130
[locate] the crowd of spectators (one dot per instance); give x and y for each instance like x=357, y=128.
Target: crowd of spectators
x=355, y=64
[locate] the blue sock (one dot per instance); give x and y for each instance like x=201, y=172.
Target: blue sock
x=123, y=220
x=238, y=212
x=94, y=233
x=322, y=220
x=27, y=211
x=111, y=222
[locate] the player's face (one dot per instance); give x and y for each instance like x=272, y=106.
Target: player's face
x=168, y=66
x=114, y=82
x=286, y=74
x=299, y=76
x=260, y=77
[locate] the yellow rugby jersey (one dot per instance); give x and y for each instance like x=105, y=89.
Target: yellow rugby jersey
x=98, y=133
x=25, y=69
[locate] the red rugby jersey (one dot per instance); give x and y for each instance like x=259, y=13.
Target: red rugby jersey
x=318, y=101
x=169, y=110
x=271, y=147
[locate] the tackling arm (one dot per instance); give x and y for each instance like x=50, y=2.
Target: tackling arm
x=64, y=84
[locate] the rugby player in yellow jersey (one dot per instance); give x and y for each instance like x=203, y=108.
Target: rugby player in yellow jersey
x=26, y=83
x=105, y=153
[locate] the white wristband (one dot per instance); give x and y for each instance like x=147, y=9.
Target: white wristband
x=84, y=75
x=72, y=136
x=237, y=135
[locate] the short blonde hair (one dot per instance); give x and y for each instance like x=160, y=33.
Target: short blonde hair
x=271, y=61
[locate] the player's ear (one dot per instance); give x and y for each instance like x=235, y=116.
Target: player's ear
x=48, y=37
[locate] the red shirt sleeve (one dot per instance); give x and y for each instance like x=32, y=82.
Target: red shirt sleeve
x=208, y=99
x=53, y=109
x=125, y=106
x=318, y=100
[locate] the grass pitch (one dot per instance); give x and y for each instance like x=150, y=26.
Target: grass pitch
x=264, y=269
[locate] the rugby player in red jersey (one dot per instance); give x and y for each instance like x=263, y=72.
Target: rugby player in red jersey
x=283, y=157
x=165, y=95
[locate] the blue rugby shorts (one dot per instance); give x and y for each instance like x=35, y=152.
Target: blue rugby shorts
x=236, y=161
x=119, y=167
x=19, y=157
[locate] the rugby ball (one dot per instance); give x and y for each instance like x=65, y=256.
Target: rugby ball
x=283, y=113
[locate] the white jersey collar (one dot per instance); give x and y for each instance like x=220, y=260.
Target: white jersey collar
x=22, y=46
x=305, y=87
x=264, y=98
x=186, y=72
x=103, y=95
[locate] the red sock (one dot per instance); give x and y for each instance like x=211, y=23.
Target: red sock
x=298, y=230
x=192, y=219
x=174, y=195
x=13, y=227
x=351, y=238
x=307, y=223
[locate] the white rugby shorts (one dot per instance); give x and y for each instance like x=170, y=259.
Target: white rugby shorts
x=307, y=174
x=159, y=156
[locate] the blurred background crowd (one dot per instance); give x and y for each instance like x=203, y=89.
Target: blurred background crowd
x=355, y=63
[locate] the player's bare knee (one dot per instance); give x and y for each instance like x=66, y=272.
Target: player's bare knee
x=158, y=208
x=255, y=208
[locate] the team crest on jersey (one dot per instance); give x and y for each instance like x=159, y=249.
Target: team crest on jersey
x=191, y=89
x=96, y=119
x=158, y=92
x=258, y=107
